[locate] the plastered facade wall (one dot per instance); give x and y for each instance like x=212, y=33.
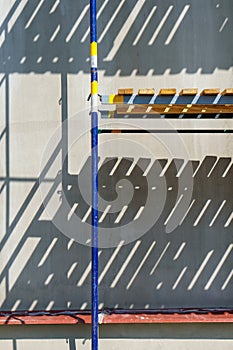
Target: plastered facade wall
x=118, y=337
x=45, y=145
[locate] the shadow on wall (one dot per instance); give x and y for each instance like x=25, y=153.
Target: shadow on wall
x=190, y=267
x=136, y=36
x=42, y=268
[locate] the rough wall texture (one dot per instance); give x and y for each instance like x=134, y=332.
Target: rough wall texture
x=118, y=337
x=44, y=148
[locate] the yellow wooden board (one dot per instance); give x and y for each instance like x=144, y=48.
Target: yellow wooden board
x=188, y=92
x=173, y=109
x=228, y=91
x=167, y=92
x=146, y=91
x=210, y=92
x=127, y=91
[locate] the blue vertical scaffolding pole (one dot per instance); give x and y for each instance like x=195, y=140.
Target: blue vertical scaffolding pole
x=94, y=156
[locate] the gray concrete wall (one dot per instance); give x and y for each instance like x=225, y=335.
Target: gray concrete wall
x=44, y=149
